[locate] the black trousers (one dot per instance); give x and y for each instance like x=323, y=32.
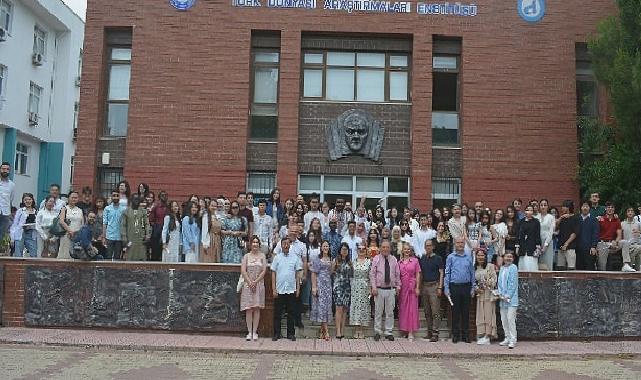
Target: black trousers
x=114, y=250
x=156, y=242
x=284, y=302
x=585, y=261
x=461, y=298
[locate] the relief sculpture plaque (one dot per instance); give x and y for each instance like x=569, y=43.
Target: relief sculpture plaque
x=355, y=133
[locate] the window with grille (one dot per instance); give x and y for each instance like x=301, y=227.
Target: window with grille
x=109, y=179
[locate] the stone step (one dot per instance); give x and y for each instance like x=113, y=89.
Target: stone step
x=312, y=330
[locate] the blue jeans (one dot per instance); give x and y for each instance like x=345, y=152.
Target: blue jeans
x=29, y=241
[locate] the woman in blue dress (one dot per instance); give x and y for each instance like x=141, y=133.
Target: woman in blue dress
x=191, y=233
x=234, y=230
x=322, y=289
x=343, y=272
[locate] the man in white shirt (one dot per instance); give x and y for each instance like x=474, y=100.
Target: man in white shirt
x=7, y=196
x=286, y=269
x=352, y=240
x=422, y=234
x=342, y=215
x=265, y=227
x=54, y=191
x=631, y=242
x=314, y=212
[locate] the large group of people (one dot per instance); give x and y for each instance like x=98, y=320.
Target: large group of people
x=340, y=264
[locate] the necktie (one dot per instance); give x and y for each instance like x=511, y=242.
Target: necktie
x=387, y=271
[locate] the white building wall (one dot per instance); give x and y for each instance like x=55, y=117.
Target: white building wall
x=57, y=76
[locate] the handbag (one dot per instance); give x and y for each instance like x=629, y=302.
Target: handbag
x=56, y=228
x=241, y=284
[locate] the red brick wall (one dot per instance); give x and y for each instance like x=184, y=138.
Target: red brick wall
x=190, y=92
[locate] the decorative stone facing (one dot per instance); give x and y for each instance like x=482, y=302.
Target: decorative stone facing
x=126, y=298
x=558, y=306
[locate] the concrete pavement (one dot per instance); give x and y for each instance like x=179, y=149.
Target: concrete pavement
x=160, y=341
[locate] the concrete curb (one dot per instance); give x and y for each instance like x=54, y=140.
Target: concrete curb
x=509, y=354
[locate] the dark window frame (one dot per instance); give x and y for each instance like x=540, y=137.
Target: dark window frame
x=105, y=188
x=110, y=62
x=456, y=71
x=261, y=109
x=387, y=69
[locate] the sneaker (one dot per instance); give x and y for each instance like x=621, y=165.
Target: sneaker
x=389, y=337
x=255, y=336
x=627, y=268
x=377, y=337
x=484, y=341
x=248, y=337
x=511, y=345
x=504, y=343
x=410, y=337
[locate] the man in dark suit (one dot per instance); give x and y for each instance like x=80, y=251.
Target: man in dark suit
x=586, y=253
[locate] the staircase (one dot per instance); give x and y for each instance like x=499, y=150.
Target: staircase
x=312, y=329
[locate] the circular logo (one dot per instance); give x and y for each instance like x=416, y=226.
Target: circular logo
x=531, y=10
x=182, y=5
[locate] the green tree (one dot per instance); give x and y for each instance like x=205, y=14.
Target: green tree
x=611, y=155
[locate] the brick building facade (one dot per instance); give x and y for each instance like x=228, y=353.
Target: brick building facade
x=223, y=97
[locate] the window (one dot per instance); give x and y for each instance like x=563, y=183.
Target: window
x=3, y=81
x=6, y=10
x=39, y=40
x=35, y=93
x=76, y=111
x=355, y=76
x=586, y=85
x=261, y=184
x=21, y=164
x=108, y=180
x=119, y=74
x=445, y=191
x=393, y=191
x=445, y=92
x=264, y=108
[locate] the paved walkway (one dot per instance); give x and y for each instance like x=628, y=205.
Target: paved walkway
x=36, y=362
x=160, y=341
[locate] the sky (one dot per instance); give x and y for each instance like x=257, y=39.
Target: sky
x=78, y=6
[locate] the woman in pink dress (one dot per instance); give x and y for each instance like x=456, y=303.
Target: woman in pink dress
x=252, y=296
x=410, y=291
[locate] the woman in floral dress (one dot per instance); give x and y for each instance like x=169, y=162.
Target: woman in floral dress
x=360, y=310
x=234, y=229
x=252, y=296
x=343, y=273
x=322, y=289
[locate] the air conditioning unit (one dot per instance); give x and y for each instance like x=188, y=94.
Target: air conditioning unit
x=33, y=119
x=77, y=81
x=75, y=133
x=37, y=59
x=3, y=34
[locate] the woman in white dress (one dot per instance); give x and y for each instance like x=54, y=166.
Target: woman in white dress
x=47, y=243
x=74, y=214
x=171, y=237
x=548, y=225
x=499, y=233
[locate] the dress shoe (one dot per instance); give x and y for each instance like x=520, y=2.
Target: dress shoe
x=292, y=338
x=455, y=339
x=377, y=337
x=389, y=337
x=467, y=339
x=276, y=338
x=434, y=338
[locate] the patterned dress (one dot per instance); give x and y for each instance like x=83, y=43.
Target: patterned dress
x=248, y=298
x=232, y=253
x=360, y=310
x=322, y=304
x=342, y=286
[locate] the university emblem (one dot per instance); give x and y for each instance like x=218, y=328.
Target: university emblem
x=182, y=5
x=531, y=10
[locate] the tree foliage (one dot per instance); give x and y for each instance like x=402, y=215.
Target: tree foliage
x=611, y=154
